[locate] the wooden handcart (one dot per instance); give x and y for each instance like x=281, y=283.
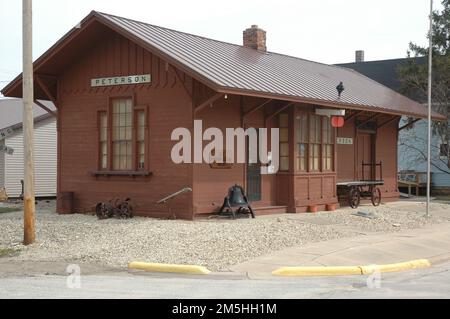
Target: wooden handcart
x=364, y=189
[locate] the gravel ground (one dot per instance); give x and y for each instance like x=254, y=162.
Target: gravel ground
x=216, y=244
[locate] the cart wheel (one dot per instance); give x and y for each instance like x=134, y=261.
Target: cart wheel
x=354, y=198
x=376, y=197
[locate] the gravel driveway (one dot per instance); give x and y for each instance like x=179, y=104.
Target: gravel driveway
x=216, y=244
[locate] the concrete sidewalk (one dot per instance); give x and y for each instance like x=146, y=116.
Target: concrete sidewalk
x=431, y=242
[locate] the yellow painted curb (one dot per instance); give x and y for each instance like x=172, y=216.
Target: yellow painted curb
x=351, y=270
x=179, y=269
x=409, y=265
x=317, y=271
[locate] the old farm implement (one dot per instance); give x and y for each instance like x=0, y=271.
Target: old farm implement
x=365, y=188
x=120, y=209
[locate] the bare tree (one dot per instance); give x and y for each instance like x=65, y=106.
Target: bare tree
x=414, y=83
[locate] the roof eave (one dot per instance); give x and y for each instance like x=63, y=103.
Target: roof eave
x=51, y=51
x=327, y=103
x=96, y=16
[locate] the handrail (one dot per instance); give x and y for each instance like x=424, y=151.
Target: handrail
x=170, y=197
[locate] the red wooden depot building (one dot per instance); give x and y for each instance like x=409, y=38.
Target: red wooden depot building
x=121, y=87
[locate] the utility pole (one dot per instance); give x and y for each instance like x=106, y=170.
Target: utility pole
x=28, y=124
x=430, y=85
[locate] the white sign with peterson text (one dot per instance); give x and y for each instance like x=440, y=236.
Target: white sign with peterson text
x=122, y=80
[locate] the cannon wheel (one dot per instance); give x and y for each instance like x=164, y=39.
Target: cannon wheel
x=354, y=197
x=376, y=197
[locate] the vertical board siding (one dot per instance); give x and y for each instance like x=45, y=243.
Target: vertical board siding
x=168, y=108
x=386, y=152
x=346, y=159
x=211, y=185
x=45, y=141
x=170, y=100
x=349, y=165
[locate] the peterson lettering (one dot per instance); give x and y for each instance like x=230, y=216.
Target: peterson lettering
x=122, y=80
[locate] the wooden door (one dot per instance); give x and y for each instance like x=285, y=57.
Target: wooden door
x=364, y=155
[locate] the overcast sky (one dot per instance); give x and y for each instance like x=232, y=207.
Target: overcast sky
x=327, y=31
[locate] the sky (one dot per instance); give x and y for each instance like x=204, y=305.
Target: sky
x=327, y=31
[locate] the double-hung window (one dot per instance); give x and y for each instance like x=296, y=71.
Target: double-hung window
x=122, y=136
x=315, y=143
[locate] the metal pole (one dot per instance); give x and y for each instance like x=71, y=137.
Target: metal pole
x=28, y=125
x=430, y=82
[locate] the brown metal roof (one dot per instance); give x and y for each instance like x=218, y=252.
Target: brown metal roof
x=231, y=68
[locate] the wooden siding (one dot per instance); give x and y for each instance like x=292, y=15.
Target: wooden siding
x=293, y=189
x=385, y=151
x=168, y=99
x=45, y=160
x=211, y=185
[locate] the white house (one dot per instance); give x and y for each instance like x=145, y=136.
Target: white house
x=413, y=145
x=11, y=148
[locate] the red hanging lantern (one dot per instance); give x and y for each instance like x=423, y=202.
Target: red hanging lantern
x=337, y=121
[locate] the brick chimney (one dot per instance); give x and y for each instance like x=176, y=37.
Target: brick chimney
x=255, y=38
x=359, y=56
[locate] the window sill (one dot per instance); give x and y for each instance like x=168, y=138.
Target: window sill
x=122, y=173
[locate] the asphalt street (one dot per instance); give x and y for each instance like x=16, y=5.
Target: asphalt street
x=429, y=283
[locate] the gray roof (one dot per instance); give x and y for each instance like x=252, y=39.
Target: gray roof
x=11, y=112
x=386, y=72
